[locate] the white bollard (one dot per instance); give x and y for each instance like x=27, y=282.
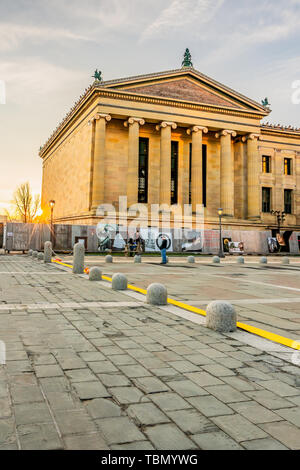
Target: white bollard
x=108, y=259
x=137, y=259
x=119, y=282
x=285, y=261
x=30, y=253
x=78, y=260
x=221, y=317
x=95, y=274
x=263, y=260
x=40, y=256
x=157, y=294
x=191, y=260
x=47, y=252
x=216, y=260
x=35, y=254
x=240, y=260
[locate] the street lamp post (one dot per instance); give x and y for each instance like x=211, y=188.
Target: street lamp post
x=280, y=218
x=51, y=204
x=221, y=249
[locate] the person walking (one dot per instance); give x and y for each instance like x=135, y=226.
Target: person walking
x=163, y=250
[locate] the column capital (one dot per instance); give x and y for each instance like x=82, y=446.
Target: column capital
x=165, y=124
x=132, y=120
x=197, y=129
x=99, y=116
x=251, y=137
x=226, y=132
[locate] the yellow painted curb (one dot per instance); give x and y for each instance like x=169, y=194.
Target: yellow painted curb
x=290, y=343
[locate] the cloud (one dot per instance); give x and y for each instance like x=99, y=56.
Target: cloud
x=33, y=78
x=180, y=14
x=12, y=35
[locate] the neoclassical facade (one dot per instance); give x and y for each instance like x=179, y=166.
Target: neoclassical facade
x=175, y=137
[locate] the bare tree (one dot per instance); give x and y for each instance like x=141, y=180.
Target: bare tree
x=26, y=205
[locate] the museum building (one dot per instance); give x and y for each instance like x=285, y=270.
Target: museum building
x=176, y=137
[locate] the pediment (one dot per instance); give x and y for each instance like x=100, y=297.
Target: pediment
x=187, y=86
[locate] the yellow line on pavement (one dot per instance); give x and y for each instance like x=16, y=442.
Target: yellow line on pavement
x=290, y=343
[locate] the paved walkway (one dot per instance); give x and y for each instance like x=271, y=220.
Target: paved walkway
x=267, y=297
x=89, y=368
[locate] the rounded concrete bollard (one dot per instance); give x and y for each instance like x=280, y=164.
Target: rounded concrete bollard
x=95, y=274
x=34, y=254
x=216, y=260
x=285, y=261
x=157, y=294
x=221, y=317
x=191, y=259
x=240, y=260
x=40, y=256
x=47, y=252
x=30, y=253
x=263, y=260
x=119, y=282
x=78, y=260
x=108, y=259
x=137, y=259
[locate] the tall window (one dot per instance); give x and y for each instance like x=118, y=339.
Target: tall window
x=174, y=172
x=204, y=174
x=287, y=166
x=266, y=164
x=266, y=199
x=143, y=170
x=288, y=197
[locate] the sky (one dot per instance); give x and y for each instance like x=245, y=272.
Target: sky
x=50, y=49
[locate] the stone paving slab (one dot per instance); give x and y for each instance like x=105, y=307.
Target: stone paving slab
x=90, y=368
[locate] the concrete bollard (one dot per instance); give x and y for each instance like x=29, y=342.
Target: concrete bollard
x=216, y=260
x=285, y=261
x=157, y=294
x=40, y=256
x=47, y=252
x=221, y=317
x=119, y=282
x=78, y=260
x=263, y=260
x=240, y=260
x=108, y=259
x=30, y=253
x=34, y=254
x=191, y=260
x=95, y=274
x=137, y=259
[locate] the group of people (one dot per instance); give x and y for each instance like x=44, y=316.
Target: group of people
x=136, y=245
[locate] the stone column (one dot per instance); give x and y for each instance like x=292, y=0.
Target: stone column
x=98, y=174
x=165, y=160
x=197, y=162
x=133, y=125
x=227, y=172
x=253, y=166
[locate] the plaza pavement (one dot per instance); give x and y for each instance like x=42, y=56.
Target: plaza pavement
x=267, y=297
x=90, y=368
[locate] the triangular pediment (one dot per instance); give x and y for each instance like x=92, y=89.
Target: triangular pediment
x=186, y=85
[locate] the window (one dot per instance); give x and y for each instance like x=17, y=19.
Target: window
x=287, y=166
x=266, y=199
x=288, y=196
x=143, y=170
x=174, y=172
x=266, y=164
